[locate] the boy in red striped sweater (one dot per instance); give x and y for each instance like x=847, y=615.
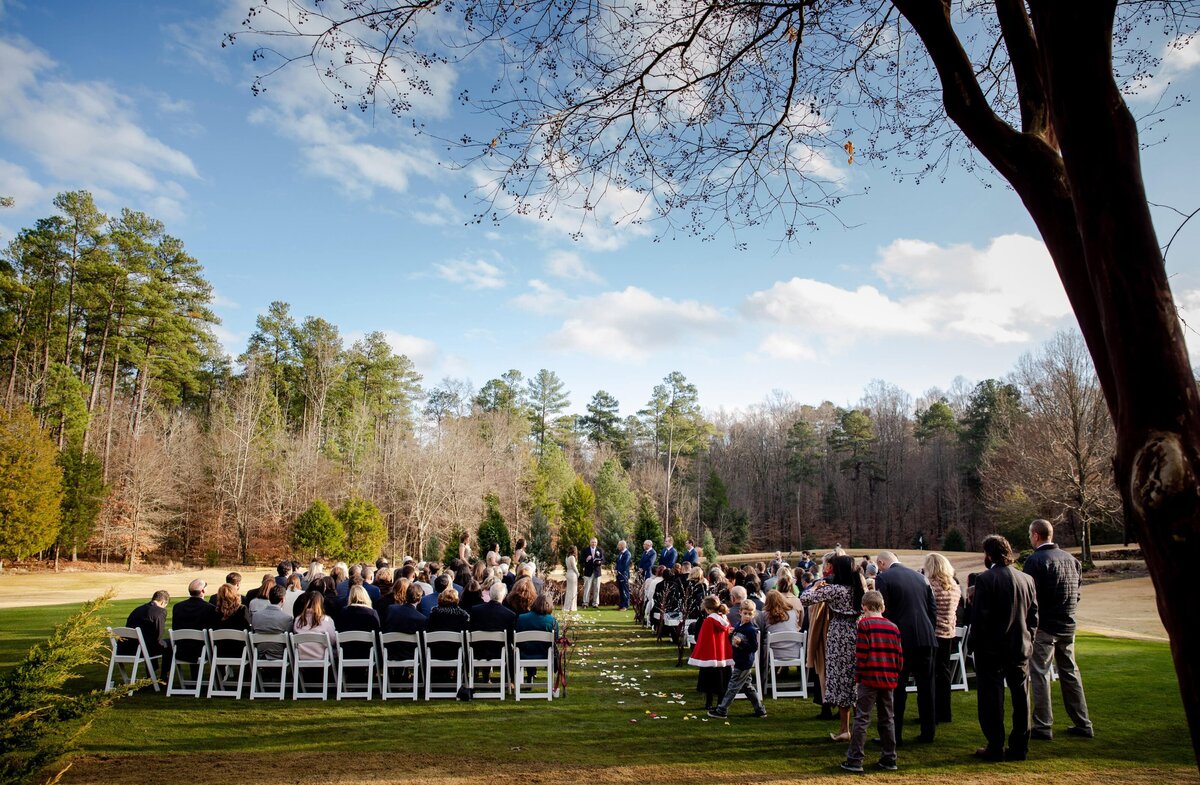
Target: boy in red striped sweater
x=879, y=662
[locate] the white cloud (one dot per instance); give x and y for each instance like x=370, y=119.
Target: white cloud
x=1188, y=304
x=16, y=182
x=476, y=274
x=1180, y=55
x=781, y=346
x=232, y=343
x=422, y=351
x=570, y=265
x=626, y=325
x=999, y=294
x=84, y=133
x=221, y=301
x=441, y=212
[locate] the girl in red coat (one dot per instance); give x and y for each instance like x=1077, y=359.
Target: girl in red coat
x=713, y=654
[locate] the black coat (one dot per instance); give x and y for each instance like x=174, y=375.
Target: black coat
x=593, y=562
x=407, y=619
x=491, y=617
x=357, y=618
x=1004, y=615
x=152, y=621
x=1057, y=576
x=192, y=614
x=238, y=620
x=908, y=603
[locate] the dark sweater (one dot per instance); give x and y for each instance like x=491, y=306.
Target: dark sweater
x=1057, y=576
x=745, y=645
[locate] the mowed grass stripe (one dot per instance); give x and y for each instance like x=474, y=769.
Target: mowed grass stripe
x=1131, y=689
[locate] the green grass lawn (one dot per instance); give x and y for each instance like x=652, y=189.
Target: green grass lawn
x=1131, y=690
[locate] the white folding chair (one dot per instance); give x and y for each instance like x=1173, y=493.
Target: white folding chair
x=520, y=663
x=222, y=666
x=260, y=687
x=387, y=664
x=757, y=683
x=959, y=680
x=302, y=663
x=455, y=663
x=126, y=665
x=800, y=663
x=501, y=662
x=178, y=666
x=344, y=688
x=689, y=637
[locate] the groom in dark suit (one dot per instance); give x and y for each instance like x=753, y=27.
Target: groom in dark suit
x=593, y=568
x=1004, y=615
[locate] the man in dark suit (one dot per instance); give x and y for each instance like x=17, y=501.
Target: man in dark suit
x=151, y=619
x=690, y=555
x=908, y=603
x=1004, y=614
x=593, y=569
x=646, y=563
x=624, y=558
x=193, y=614
x=492, y=616
x=669, y=554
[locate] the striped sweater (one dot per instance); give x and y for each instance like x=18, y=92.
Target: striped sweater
x=879, y=655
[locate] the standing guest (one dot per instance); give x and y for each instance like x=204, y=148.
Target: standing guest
x=713, y=653
x=357, y=616
x=621, y=568
x=911, y=607
x=689, y=554
x=1004, y=615
x=1058, y=577
x=669, y=554
x=879, y=660
x=646, y=562
x=744, y=641
x=842, y=594
x=151, y=619
x=571, y=592
x=272, y=620
x=234, y=579
x=518, y=551
x=593, y=570
x=311, y=617
x=464, y=548
x=947, y=595
x=194, y=613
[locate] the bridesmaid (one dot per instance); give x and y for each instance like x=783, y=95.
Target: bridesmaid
x=571, y=593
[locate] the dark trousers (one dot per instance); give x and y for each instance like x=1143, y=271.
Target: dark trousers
x=623, y=588
x=943, y=677
x=918, y=662
x=991, y=674
x=881, y=700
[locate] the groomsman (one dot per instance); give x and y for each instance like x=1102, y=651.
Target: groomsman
x=669, y=554
x=593, y=568
x=690, y=556
x=624, y=558
x=646, y=563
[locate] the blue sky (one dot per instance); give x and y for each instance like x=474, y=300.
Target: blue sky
x=285, y=197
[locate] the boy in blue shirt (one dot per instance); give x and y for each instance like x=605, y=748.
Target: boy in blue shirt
x=745, y=649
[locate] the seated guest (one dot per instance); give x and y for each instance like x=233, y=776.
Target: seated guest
x=230, y=614
x=520, y=598
x=394, y=597
x=194, y=613
x=233, y=579
x=472, y=596
x=271, y=619
x=385, y=584
x=315, y=570
x=261, y=597
x=539, y=617
x=405, y=616
x=737, y=595
x=151, y=619
x=446, y=617
x=779, y=616
x=357, y=616
x=294, y=590
x=430, y=601
x=282, y=572
x=492, y=616
x=753, y=593
x=311, y=618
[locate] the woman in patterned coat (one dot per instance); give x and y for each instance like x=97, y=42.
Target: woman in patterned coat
x=842, y=594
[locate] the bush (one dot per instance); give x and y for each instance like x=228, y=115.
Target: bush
x=450, y=552
x=578, y=517
x=316, y=531
x=954, y=541
x=493, y=529
x=540, y=546
x=39, y=719
x=365, y=533
x=433, y=549
x=30, y=486
x=709, y=546
x=648, y=525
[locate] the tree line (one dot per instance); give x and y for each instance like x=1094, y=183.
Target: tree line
x=153, y=441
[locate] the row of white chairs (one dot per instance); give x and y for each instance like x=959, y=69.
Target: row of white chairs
x=269, y=678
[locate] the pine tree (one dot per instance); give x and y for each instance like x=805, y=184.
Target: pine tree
x=648, y=525
x=709, y=545
x=540, y=546
x=547, y=398
x=492, y=529
x=578, y=524
x=363, y=526
x=318, y=531
x=83, y=494
x=30, y=486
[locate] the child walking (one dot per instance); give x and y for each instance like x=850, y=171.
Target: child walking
x=879, y=660
x=712, y=653
x=744, y=639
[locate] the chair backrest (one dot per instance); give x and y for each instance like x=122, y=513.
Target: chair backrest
x=319, y=638
x=399, y=637
x=443, y=636
x=118, y=634
x=534, y=636
x=355, y=637
x=186, y=635
x=258, y=639
x=238, y=636
x=480, y=636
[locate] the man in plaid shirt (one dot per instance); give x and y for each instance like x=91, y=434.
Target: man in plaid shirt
x=880, y=659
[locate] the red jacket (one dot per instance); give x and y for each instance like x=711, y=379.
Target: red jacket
x=713, y=649
x=880, y=657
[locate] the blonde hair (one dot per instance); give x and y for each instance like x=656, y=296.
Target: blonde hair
x=358, y=596
x=939, y=571
x=872, y=601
